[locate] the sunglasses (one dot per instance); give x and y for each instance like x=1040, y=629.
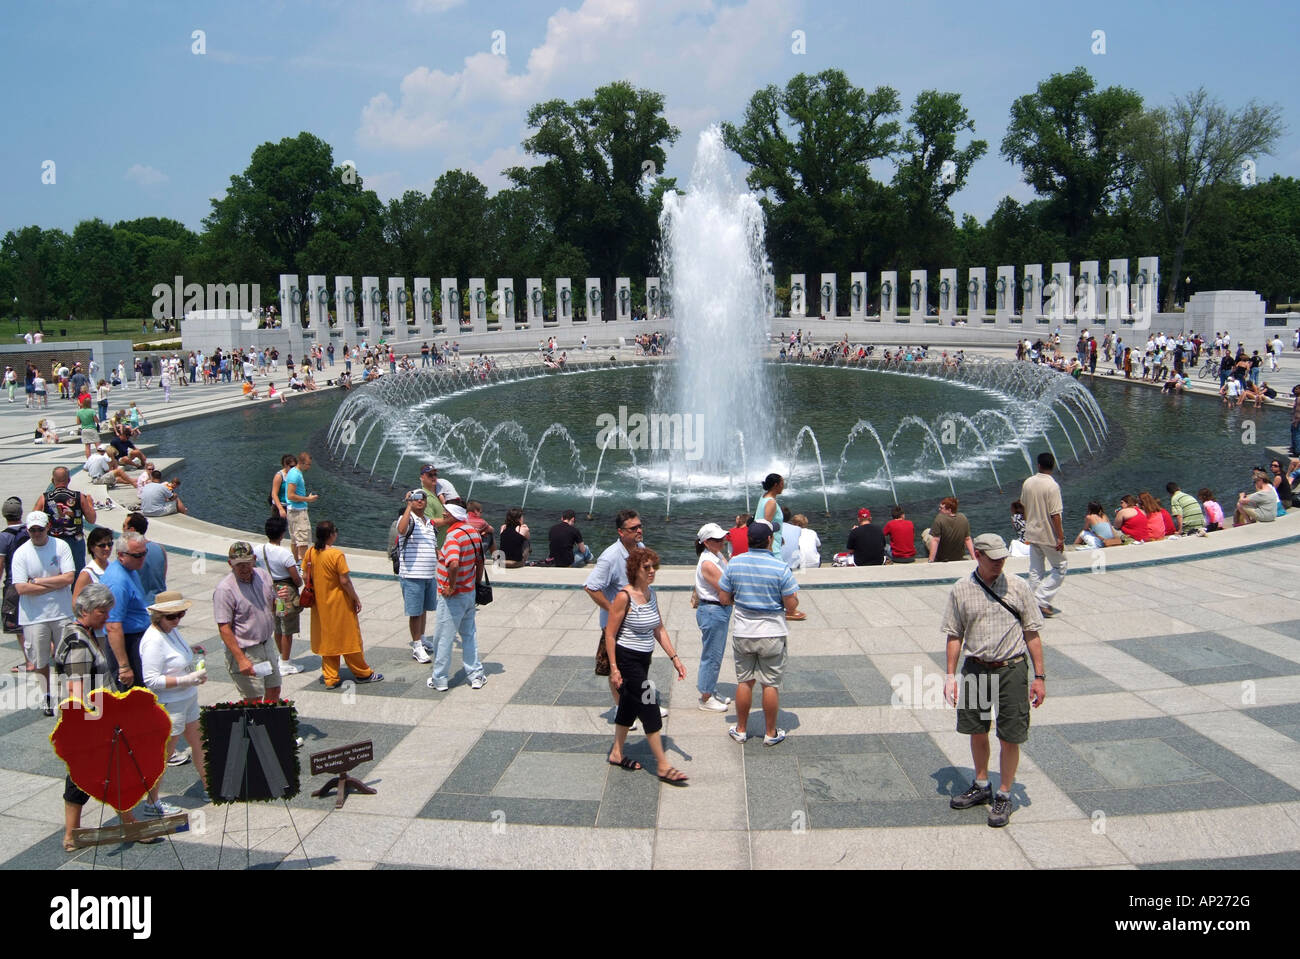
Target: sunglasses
x=175, y=617
x=136, y=555
x=632, y=529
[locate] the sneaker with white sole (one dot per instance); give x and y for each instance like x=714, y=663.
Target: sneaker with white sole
x=1000, y=810
x=663, y=712
x=477, y=682
x=157, y=810
x=714, y=705
x=419, y=653
x=442, y=689
x=775, y=740
x=179, y=758
x=288, y=669
x=736, y=734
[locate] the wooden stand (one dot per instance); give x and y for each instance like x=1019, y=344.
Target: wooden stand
x=145, y=831
x=342, y=761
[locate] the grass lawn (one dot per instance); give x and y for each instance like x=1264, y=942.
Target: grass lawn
x=118, y=329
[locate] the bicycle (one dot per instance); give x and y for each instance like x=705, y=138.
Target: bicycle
x=1210, y=368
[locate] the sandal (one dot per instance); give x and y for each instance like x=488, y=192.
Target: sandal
x=70, y=845
x=796, y=616
x=670, y=779
x=628, y=763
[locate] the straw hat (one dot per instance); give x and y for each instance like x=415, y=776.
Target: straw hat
x=170, y=602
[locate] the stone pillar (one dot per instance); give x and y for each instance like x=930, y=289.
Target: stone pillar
x=424, y=305
x=1031, y=293
x=1147, y=292
x=1087, y=299
x=1004, y=297
x=397, y=307
x=798, y=297
x=857, y=295
x=889, y=297
x=654, y=304
x=450, y=300
x=623, y=299
x=478, y=304
x=564, y=301
x=826, y=296
x=917, y=294
x=291, y=313
x=1060, y=296
x=318, y=308
x=977, y=301
x=345, y=309
x=536, y=302
x=504, y=301
x=948, y=295
x=370, y=301
x=594, y=304
x=1117, y=305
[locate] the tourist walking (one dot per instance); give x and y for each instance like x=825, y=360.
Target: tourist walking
x=171, y=673
x=461, y=566
x=335, y=628
x=417, y=570
x=1044, y=533
x=130, y=614
x=243, y=606
x=280, y=565
x=69, y=513
x=764, y=593
x=995, y=619
x=609, y=575
x=633, y=628
x=711, y=616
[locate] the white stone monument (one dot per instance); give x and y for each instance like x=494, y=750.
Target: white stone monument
x=291, y=297
x=318, y=309
x=451, y=308
x=918, y=296
x=478, y=304
x=370, y=306
x=798, y=297
x=1146, y=296
x=1087, y=300
x=536, y=301
x=594, y=302
x=826, y=297
x=345, y=311
x=1060, y=295
x=1117, y=302
x=857, y=295
x=948, y=294
x=654, y=297
x=623, y=298
x=889, y=296
x=424, y=307
x=564, y=301
x=1031, y=294
x=397, y=297
x=977, y=296
x=503, y=304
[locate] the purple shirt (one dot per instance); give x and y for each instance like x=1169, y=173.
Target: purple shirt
x=248, y=607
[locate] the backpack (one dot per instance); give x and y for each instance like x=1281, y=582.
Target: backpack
x=397, y=545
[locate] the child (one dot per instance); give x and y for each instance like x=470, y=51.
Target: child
x=1213, y=511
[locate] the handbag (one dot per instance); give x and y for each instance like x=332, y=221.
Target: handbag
x=307, y=595
x=482, y=587
x=602, y=654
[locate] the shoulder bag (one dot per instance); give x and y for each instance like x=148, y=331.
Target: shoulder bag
x=602, y=654
x=482, y=587
x=307, y=595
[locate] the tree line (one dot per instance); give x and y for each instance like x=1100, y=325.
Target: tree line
x=1112, y=177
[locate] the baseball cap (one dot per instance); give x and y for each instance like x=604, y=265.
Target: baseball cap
x=12, y=509
x=864, y=513
x=428, y=468
x=991, y=545
x=38, y=518
x=241, y=552
x=758, y=532
x=101, y=448
x=417, y=494
x=457, y=512
x=710, y=531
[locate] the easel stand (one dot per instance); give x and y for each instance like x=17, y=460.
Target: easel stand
x=342, y=761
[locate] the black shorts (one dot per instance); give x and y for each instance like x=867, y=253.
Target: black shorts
x=637, y=698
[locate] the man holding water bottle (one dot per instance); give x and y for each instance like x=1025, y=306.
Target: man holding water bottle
x=244, y=607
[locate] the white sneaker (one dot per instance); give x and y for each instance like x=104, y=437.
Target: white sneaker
x=775, y=740
x=477, y=682
x=429, y=682
x=715, y=704
x=419, y=653
x=736, y=734
x=288, y=669
x=663, y=712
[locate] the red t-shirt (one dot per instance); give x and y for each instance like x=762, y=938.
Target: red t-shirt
x=739, y=539
x=902, y=537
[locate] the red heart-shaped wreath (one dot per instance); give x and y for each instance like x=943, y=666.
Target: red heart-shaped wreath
x=116, y=751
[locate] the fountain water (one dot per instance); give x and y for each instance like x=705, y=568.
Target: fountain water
x=934, y=440
x=576, y=456
x=794, y=457
x=862, y=426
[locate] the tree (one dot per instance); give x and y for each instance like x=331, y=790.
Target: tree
x=1188, y=151
x=1069, y=140
x=94, y=271
x=931, y=170
x=592, y=184
x=808, y=148
x=37, y=262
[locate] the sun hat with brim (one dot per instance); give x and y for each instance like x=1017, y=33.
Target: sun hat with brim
x=170, y=602
x=991, y=545
x=710, y=531
x=37, y=519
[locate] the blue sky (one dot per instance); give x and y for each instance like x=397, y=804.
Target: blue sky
x=138, y=124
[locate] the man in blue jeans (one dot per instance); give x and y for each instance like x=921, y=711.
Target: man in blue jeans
x=417, y=554
x=460, y=567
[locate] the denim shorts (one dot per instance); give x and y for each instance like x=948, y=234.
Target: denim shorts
x=419, y=595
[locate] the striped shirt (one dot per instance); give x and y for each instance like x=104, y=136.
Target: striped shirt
x=638, y=630
x=758, y=582
x=463, y=545
x=418, y=550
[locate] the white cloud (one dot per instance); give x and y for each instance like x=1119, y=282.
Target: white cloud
x=145, y=175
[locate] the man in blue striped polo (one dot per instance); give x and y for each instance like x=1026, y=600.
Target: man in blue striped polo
x=763, y=591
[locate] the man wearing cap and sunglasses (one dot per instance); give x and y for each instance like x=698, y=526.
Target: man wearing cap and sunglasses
x=417, y=571
x=243, y=606
x=43, y=574
x=996, y=618
x=129, y=617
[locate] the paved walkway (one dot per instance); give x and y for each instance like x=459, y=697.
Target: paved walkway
x=1170, y=736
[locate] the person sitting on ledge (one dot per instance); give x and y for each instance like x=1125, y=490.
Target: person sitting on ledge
x=296, y=384
x=1257, y=507
x=272, y=393
x=1097, y=529
x=1212, y=510
x=250, y=392
x=46, y=432
x=1175, y=384
x=159, y=499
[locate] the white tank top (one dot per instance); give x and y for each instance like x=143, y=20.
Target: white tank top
x=702, y=586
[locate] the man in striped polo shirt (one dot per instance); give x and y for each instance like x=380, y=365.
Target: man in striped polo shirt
x=764, y=593
x=417, y=570
x=460, y=566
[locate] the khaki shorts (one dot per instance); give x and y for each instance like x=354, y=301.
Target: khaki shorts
x=762, y=659
x=248, y=685
x=979, y=687
x=39, y=640
x=299, y=527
